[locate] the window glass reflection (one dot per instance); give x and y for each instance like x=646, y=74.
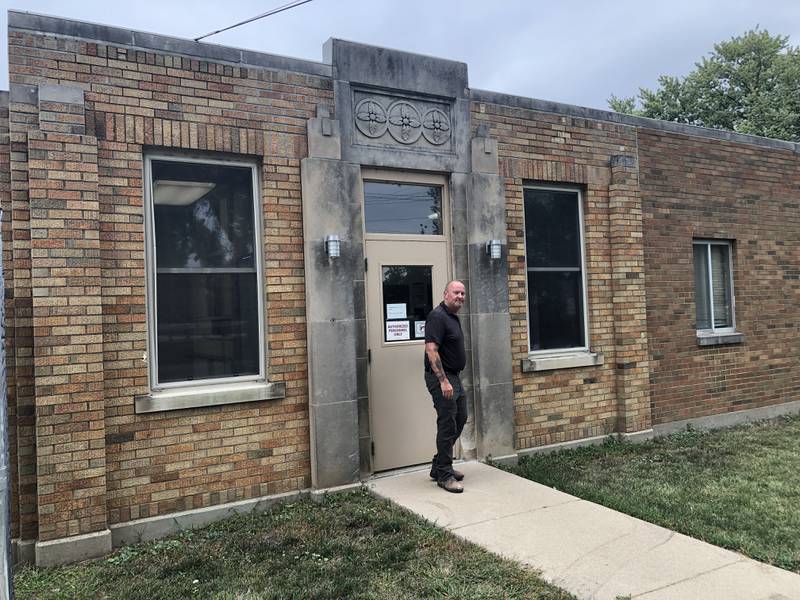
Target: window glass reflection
x=402, y=208
x=207, y=305
x=207, y=326
x=203, y=215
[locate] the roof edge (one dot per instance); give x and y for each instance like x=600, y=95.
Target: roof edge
x=596, y=114
x=94, y=32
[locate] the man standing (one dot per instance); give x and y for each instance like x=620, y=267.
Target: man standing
x=445, y=358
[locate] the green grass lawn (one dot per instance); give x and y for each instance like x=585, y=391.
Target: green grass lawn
x=737, y=488
x=349, y=546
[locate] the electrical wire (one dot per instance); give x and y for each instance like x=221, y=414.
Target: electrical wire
x=256, y=18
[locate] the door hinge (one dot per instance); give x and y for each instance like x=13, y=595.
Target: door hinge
x=369, y=356
x=365, y=264
x=372, y=448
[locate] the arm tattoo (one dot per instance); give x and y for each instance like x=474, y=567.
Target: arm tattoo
x=438, y=368
x=432, y=353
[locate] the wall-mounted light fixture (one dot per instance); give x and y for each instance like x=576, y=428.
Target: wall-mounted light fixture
x=333, y=246
x=494, y=248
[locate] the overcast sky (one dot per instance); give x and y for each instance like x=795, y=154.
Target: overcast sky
x=574, y=51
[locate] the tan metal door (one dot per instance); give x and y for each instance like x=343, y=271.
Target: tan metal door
x=406, y=274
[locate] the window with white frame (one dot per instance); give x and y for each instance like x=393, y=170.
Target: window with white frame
x=713, y=286
x=555, y=269
x=204, y=284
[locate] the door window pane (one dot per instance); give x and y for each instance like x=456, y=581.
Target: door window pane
x=407, y=300
x=206, y=303
x=402, y=208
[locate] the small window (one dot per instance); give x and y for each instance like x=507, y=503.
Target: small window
x=205, y=306
x=402, y=208
x=713, y=286
x=554, y=261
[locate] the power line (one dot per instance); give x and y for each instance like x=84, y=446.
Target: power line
x=250, y=20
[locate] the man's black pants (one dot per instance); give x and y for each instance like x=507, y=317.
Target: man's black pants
x=450, y=418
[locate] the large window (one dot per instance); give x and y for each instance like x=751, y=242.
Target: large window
x=205, y=306
x=554, y=260
x=713, y=286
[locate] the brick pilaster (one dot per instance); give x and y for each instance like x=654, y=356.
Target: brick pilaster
x=8, y=299
x=628, y=282
x=23, y=117
x=67, y=319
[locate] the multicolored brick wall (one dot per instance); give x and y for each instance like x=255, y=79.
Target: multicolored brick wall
x=8, y=299
x=696, y=188
x=78, y=271
x=71, y=188
x=542, y=148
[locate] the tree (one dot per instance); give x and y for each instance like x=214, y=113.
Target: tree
x=749, y=84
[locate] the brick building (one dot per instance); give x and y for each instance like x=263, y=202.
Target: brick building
x=218, y=263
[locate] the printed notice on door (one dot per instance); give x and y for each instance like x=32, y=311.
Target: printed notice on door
x=397, y=331
x=419, y=329
x=396, y=311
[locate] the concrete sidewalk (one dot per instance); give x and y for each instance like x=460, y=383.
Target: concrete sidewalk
x=592, y=551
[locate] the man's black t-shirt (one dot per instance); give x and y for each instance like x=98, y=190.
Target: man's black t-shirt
x=444, y=328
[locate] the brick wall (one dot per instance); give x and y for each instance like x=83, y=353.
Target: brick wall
x=535, y=147
x=23, y=117
x=71, y=175
x=149, y=464
x=697, y=188
x=8, y=299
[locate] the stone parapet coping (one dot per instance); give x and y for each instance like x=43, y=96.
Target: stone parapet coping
x=93, y=32
x=596, y=114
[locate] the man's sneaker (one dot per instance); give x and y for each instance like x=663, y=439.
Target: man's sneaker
x=451, y=485
x=457, y=474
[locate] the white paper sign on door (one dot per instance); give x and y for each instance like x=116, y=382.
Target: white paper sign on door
x=397, y=331
x=419, y=329
x=396, y=311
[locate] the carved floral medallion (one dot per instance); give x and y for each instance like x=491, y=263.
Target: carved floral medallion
x=406, y=121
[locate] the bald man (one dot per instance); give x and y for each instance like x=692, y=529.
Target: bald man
x=445, y=358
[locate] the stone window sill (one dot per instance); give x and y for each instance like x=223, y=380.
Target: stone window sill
x=551, y=362
x=719, y=339
x=212, y=395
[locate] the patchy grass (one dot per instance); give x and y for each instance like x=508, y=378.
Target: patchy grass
x=737, y=488
x=349, y=546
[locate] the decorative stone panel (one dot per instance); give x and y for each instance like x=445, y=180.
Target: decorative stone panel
x=385, y=120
